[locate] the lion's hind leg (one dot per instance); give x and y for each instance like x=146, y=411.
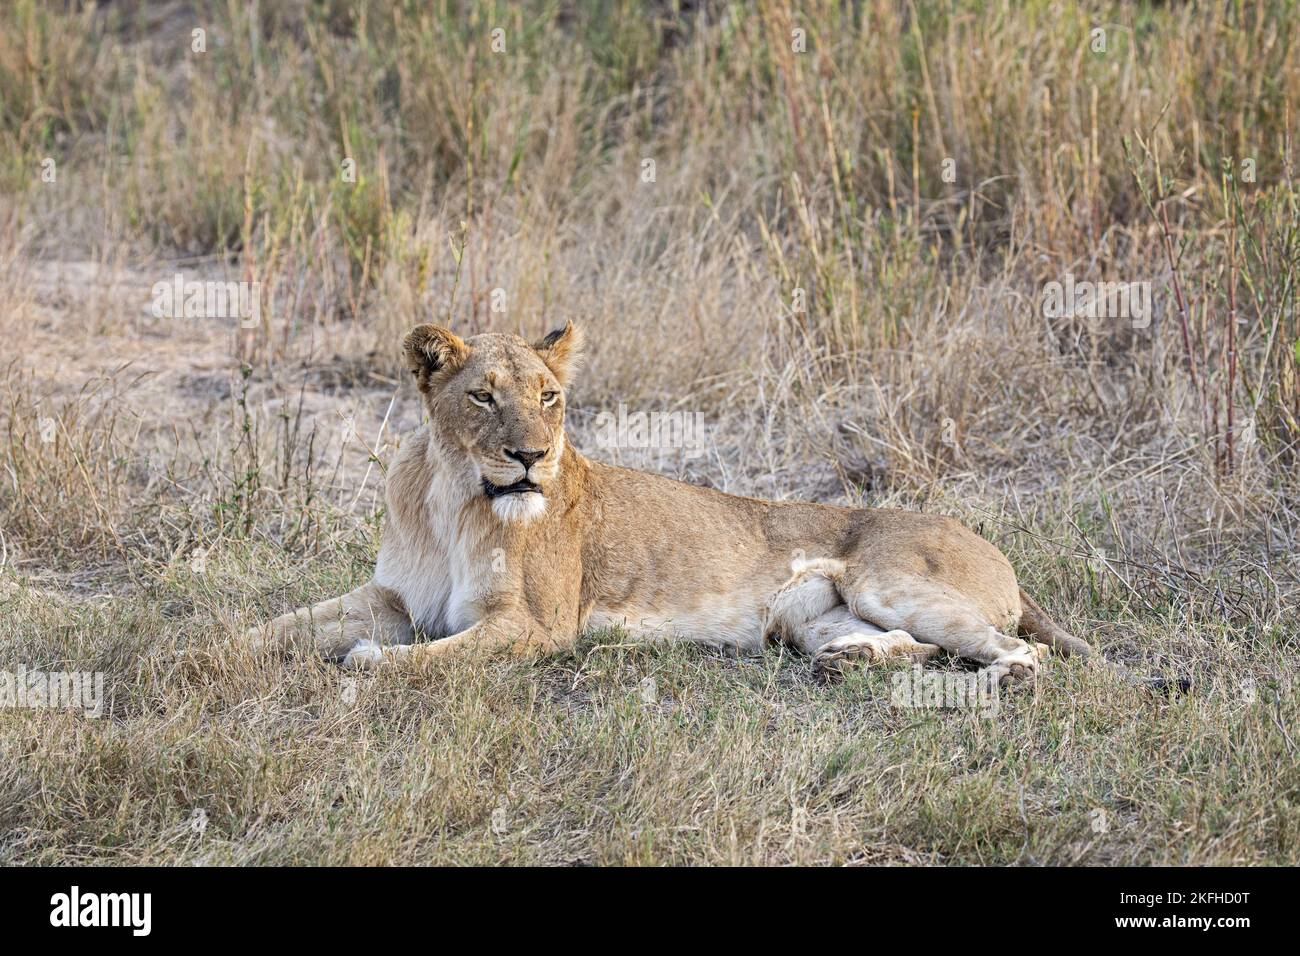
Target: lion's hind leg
x=370, y=615
x=808, y=613
x=938, y=615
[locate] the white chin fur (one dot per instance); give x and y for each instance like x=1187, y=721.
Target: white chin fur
x=522, y=508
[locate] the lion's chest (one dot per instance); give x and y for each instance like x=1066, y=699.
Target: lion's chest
x=441, y=577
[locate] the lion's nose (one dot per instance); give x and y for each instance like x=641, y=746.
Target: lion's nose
x=526, y=456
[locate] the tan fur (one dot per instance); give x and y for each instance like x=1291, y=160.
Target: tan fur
x=599, y=545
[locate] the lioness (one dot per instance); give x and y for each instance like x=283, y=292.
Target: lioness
x=501, y=535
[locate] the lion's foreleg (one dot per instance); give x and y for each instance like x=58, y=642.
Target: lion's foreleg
x=332, y=628
x=497, y=634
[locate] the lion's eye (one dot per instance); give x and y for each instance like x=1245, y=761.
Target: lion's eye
x=481, y=398
x=549, y=399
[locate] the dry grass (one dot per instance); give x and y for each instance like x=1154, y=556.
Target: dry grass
x=196, y=475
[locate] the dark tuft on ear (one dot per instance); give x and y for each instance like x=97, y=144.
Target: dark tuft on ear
x=431, y=349
x=562, y=352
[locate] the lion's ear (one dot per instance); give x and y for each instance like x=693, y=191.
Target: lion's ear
x=431, y=349
x=562, y=351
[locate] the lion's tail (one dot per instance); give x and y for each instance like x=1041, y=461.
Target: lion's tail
x=1035, y=624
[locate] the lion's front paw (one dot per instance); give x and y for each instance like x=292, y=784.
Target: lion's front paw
x=254, y=640
x=367, y=654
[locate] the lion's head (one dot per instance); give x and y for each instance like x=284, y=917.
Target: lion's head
x=497, y=403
